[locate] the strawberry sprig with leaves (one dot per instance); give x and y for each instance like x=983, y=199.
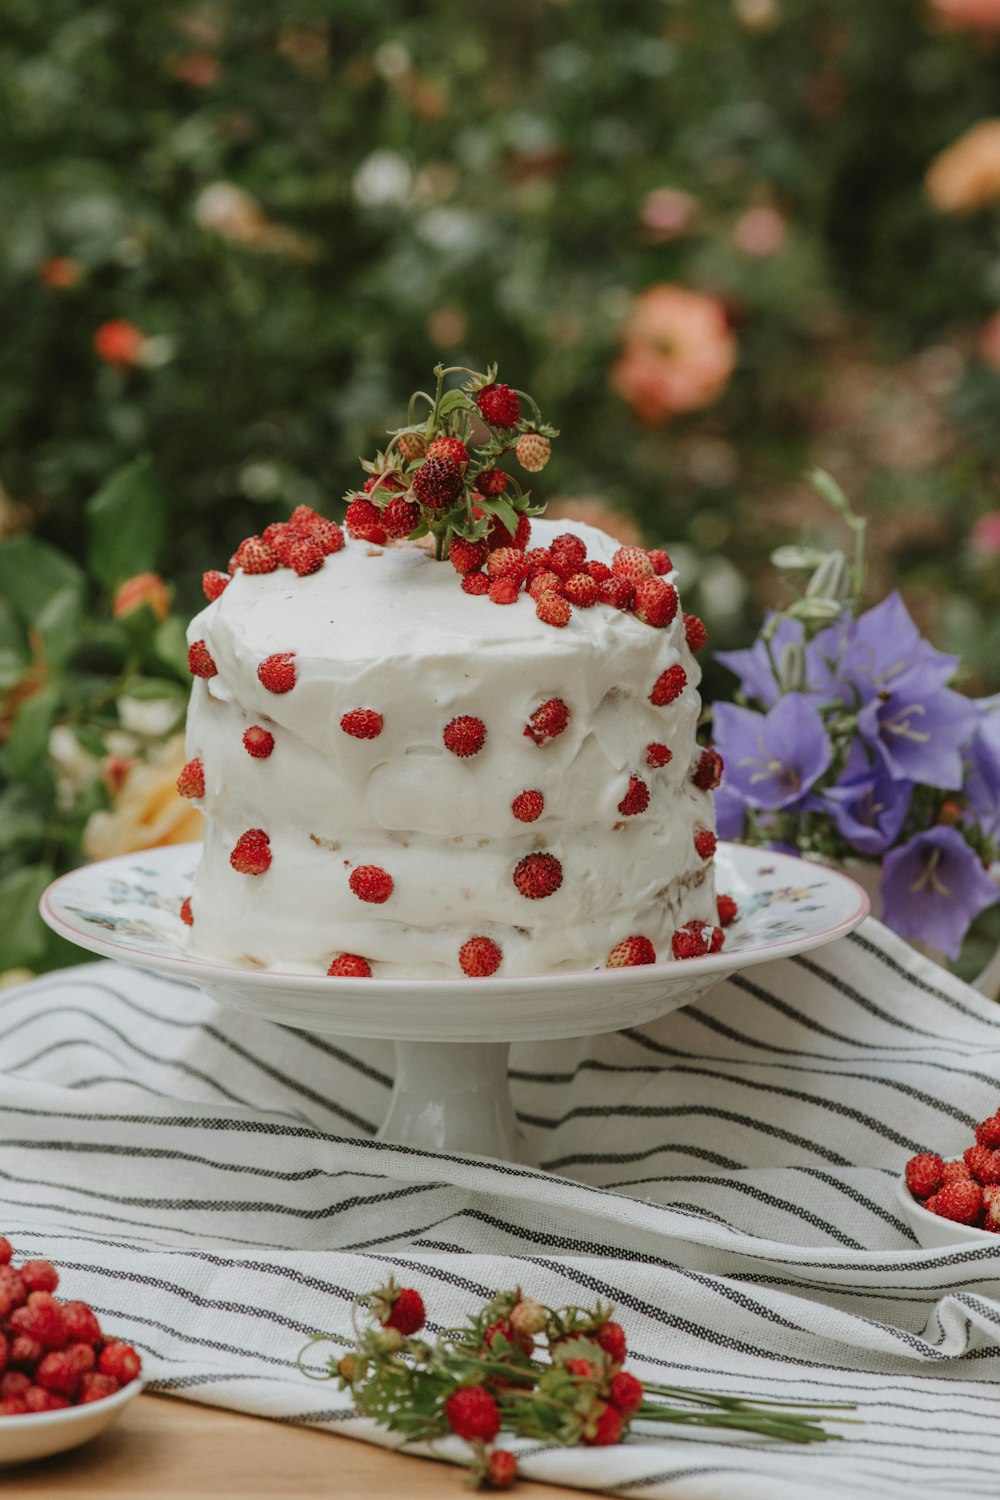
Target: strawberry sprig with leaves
x=517, y=1366
x=442, y=476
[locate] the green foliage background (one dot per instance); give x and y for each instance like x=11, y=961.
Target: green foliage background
x=467, y=181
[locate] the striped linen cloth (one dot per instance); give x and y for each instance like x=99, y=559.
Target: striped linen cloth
x=724, y=1176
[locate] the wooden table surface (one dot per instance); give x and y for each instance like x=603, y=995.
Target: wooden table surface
x=163, y=1449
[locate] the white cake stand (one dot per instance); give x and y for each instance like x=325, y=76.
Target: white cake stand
x=452, y=1036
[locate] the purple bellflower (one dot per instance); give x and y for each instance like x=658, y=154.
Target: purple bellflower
x=868, y=807
x=772, y=759
x=933, y=886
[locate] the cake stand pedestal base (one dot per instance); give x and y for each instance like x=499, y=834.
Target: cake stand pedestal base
x=454, y=1097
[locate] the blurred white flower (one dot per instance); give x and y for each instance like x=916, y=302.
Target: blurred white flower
x=150, y=717
x=383, y=180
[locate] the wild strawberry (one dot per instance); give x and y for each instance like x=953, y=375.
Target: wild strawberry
x=537, y=876
x=400, y=517
x=411, y=445
x=498, y=405
x=96, y=1387
x=255, y=556
x=548, y=720
x=608, y=1428
x=527, y=806
x=350, y=966
x=505, y=1330
x=658, y=755
x=704, y=843
x=617, y=592
x=598, y=571
x=923, y=1174
x=581, y=590
x=39, y=1276
x=40, y=1318
x=362, y=724
x=258, y=742
x=25, y=1350
x=14, y=1383
x=277, y=672
x=571, y=548
x=533, y=451
x=538, y=559
x=304, y=556
x=707, y=773
x=12, y=1406
x=303, y=520
x=626, y=1393
x=37, y=1399
x=479, y=957
x=407, y=1314
x=191, y=781
x=186, y=914
x=464, y=736
x=668, y=686
x=386, y=483
x=504, y=591
x=631, y=951
x=545, y=582
x=507, y=562
x=660, y=560
x=371, y=883
x=655, y=602
x=12, y=1290
x=328, y=536
x=693, y=940
x=465, y=555
x=695, y=633
x=449, y=447
x=611, y=1337
x=6, y=1251
x=492, y=482
x=563, y=564
x=364, y=521
x=82, y=1326
x=553, y=609
x=985, y=1165
x=252, y=854
x=632, y=563
x=213, y=582
x=961, y=1202
x=501, y=1470
x=475, y=583
x=727, y=909
x=120, y=1360
x=956, y=1171
x=471, y=1410
x=437, y=482
x=636, y=799
x=988, y=1132
x=200, y=663
x=63, y=1369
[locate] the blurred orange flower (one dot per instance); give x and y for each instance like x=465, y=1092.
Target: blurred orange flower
x=966, y=175
x=119, y=342
x=968, y=15
x=678, y=354
x=144, y=589
x=60, y=272
x=148, y=810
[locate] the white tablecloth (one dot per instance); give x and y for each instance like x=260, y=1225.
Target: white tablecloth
x=724, y=1176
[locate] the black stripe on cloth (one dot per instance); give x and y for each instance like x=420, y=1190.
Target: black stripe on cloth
x=856, y=1196
x=674, y=1111
x=809, y=1022
x=185, y=1382
x=88, y=1044
x=338, y=1053
x=623, y=1158
x=310, y=1418
x=835, y=982
x=860, y=940
x=156, y=1153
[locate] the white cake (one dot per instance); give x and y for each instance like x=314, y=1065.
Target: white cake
x=389, y=630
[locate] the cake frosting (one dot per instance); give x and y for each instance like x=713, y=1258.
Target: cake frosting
x=620, y=848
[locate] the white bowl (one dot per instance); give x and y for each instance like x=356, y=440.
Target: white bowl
x=38, y=1434
x=933, y=1232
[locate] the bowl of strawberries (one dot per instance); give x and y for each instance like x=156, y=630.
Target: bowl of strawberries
x=957, y=1201
x=62, y=1378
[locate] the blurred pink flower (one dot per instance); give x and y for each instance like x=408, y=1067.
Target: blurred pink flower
x=678, y=353
x=760, y=231
x=967, y=15
x=986, y=534
x=989, y=341
x=668, y=213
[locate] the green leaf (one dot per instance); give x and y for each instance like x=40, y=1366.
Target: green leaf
x=127, y=524
x=170, y=647
x=505, y=514
x=153, y=689
x=454, y=401
x=22, y=932
x=12, y=667
x=28, y=742
x=23, y=819
x=31, y=572
x=60, y=623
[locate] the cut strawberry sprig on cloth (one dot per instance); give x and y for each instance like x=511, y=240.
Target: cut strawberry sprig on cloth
x=552, y=1375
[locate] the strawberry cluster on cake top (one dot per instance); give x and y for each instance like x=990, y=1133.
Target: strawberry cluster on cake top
x=398, y=778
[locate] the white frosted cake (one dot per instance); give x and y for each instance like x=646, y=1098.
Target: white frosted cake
x=399, y=777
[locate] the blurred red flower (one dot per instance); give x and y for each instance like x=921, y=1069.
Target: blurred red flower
x=678, y=353
x=119, y=342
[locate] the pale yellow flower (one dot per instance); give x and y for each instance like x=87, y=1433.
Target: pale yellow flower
x=148, y=810
x=966, y=175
